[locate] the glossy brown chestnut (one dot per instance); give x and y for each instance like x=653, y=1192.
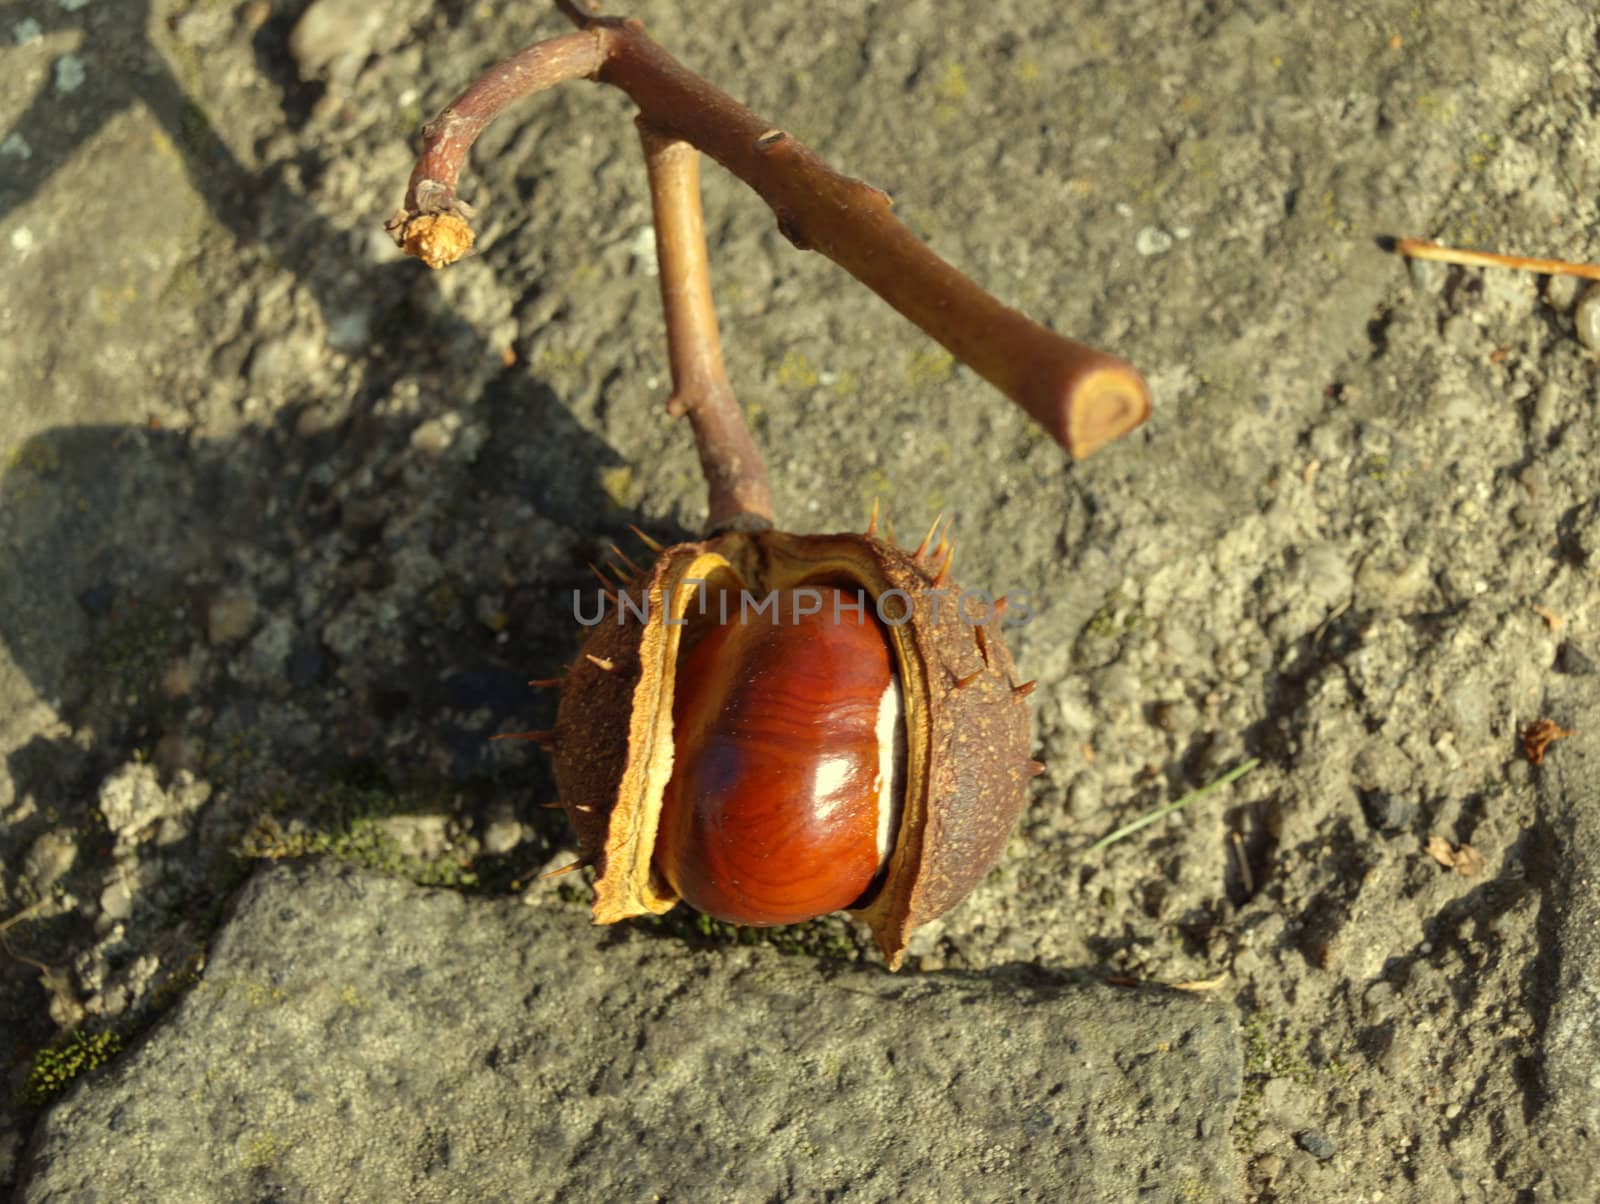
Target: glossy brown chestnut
x=623, y=741
x=785, y=787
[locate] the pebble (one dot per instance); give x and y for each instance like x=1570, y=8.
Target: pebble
x=1152, y=240
x=333, y=38
x=1178, y=716
x=1586, y=318
x=131, y=798
x=1316, y=1143
x=1573, y=661
x=1561, y=292
x=350, y=331
x=924, y=941
x=435, y=436
x=1387, y=812
x=48, y=859
x=116, y=901
x=502, y=833
x=231, y=616
x=69, y=73
x=418, y=835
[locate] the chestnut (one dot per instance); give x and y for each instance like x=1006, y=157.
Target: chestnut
x=715, y=746
x=789, y=754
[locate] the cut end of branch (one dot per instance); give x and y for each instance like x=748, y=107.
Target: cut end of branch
x=1104, y=404
x=438, y=239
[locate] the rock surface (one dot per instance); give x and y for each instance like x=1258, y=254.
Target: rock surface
x=1569, y=800
x=357, y=1038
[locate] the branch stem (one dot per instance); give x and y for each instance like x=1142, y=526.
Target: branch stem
x=1081, y=396
x=735, y=477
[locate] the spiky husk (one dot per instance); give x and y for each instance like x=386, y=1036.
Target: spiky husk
x=967, y=724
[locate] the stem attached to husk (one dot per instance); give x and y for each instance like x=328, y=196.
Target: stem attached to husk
x=1081, y=396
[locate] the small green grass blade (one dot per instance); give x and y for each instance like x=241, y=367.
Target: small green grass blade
x=1150, y=817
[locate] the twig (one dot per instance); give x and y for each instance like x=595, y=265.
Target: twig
x=25, y=914
x=434, y=225
x=1202, y=984
x=1416, y=248
x=735, y=477
x=1247, y=880
x=1150, y=817
x=1081, y=396
x=5, y=944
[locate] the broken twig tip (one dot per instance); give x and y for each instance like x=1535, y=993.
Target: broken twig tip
x=438, y=239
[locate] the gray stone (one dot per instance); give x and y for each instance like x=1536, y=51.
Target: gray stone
x=132, y=799
x=1316, y=1143
x=354, y=1037
x=1586, y=318
x=1561, y=291
x=69, y=73
x=48, y=859
x=333, y=38
x=1573, y=660
x=1386, y=811
x=1569, y=803
x=282, y=363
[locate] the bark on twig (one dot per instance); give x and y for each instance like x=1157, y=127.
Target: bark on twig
x=1081, y=396
x=735, y=477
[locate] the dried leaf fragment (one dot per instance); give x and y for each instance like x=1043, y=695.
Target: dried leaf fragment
x=1539, y=735
x=1464, y=859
